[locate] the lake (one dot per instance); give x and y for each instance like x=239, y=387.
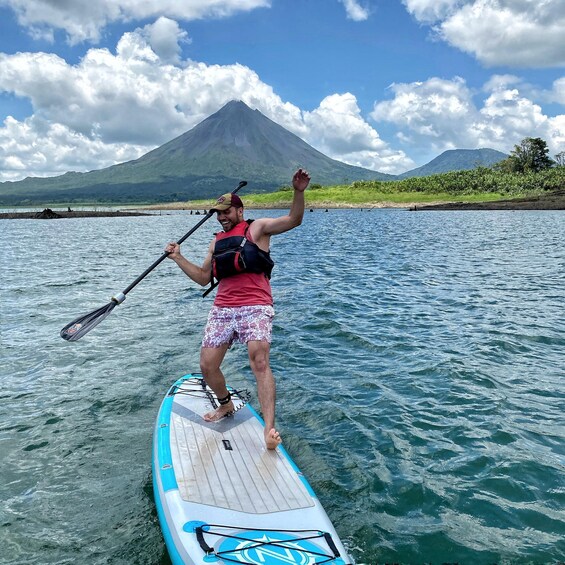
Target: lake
x=419, y=362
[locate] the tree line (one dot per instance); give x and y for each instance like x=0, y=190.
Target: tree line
x=527, y=170
x=530, y=155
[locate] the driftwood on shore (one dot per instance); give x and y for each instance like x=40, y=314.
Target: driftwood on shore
x=48, y=214
x=551, y=201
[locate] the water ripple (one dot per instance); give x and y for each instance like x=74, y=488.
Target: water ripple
x=419, y=368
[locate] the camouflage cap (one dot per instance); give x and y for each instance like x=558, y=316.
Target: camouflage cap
x=226, y=201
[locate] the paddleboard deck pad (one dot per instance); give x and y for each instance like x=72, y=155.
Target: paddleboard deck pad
x=222, y=497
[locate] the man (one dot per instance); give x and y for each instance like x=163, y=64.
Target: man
x=243, y=308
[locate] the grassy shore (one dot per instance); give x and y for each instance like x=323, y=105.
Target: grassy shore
x=337, y=197
x=477, y=186
x=345, y=197
x=480, y=186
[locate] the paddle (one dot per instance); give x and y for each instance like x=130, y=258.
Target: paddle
x=83, y=324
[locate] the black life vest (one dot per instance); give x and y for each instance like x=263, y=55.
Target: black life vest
x=234, y=254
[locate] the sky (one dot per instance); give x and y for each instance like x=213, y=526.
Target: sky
x=382, y=84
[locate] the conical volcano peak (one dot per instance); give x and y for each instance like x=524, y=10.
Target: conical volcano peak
x=234, y=143
x=234, y=105
x=232, y=109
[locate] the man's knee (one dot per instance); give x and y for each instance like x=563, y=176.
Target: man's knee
x=205, y=366
x=259, y=359
x=260, y=365
x=210, y=361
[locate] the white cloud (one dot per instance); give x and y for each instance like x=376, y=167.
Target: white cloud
x=37, y=148
x=556, y=140
x=429, y=112
x=355, y=11
x=558, y=92
x=496, y=82
x=337, y=129
x=441, y=114
x=109, y=108
x=506, y=118
x=164, y=38
x=83, y=20
x=516, y=33
x=429, y=11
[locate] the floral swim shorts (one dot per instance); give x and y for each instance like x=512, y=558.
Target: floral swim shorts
x=241, y=324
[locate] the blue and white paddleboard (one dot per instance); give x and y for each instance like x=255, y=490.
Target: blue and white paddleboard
x=222, y=497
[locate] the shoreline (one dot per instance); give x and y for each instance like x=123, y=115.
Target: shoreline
x=283, y=206
x=48, y=214
x=552, y=201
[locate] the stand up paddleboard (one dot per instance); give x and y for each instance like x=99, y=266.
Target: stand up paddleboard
x=222, y=497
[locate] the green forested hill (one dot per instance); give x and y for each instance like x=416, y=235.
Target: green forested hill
x=478, y=185
x=456, y=160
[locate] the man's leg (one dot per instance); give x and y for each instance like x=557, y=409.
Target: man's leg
x=210, y=360
x=266, y=388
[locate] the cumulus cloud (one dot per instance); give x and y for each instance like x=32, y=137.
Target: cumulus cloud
x=114, y=107
x=164, y=37
x=442, y=114
x=337, y=129
x=556, y=127
x=430, y=11
x=34, y=147
x=499, y=32
x=83, y=20
x=355, y=11
x=428, y=112
x=558, y=92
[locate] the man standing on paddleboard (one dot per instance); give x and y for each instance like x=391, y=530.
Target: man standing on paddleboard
x=243, y=308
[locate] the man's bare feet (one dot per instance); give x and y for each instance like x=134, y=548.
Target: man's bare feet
x=272, y=438
x=220, y=412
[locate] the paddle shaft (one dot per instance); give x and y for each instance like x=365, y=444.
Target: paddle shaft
x=183, y=238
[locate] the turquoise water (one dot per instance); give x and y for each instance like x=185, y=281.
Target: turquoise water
x=419, y=360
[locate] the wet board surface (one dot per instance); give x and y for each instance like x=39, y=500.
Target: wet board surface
x=222, y=497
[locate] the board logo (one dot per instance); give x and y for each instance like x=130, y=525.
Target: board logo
x=270, y=549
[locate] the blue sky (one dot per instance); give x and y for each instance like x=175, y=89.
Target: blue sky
x=383, y=84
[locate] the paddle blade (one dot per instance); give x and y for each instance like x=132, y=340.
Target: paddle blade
x=83, y=324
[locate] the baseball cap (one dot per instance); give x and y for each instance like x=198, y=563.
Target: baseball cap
x=227, y=200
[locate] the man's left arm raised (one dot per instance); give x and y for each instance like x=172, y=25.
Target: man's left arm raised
x=274, y=226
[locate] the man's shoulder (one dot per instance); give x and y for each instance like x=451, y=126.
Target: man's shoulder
x=260, y=221
x=256, y=225
x=258, y=230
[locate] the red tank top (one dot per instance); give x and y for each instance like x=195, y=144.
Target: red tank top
x=244, y=289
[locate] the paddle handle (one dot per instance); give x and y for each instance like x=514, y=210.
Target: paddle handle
x=121, y=297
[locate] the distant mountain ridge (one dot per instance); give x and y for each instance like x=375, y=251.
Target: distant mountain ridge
x=457, y=160
x=235, y=143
